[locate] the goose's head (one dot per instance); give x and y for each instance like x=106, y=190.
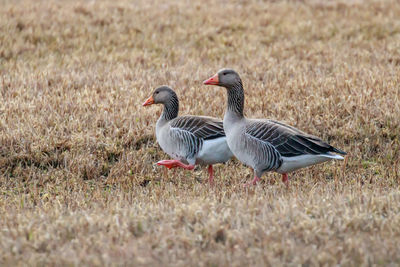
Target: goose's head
x=225, y=78
x=161, y=95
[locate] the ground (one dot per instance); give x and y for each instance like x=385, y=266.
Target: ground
x=77, y=150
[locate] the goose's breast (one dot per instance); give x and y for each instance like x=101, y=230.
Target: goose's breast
x=167, y=143
x=239, y=146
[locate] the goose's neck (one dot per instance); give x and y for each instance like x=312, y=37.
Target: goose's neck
x=235, y=100
x=171, y=109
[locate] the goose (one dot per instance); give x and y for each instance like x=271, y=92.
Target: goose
x=267, y=145
x=189, y=140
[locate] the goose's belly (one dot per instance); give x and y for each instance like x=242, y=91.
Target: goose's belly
x=290, y=164
x=214, y=151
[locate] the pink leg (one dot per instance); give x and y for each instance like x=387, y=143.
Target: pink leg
x=175, y=163
x=285, y=179
x=211, y=175
x=254, y=182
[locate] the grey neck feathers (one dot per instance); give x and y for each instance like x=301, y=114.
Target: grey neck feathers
x=171, y=109
x=236, y=99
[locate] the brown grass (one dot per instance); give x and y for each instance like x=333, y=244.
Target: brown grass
x=78, y=181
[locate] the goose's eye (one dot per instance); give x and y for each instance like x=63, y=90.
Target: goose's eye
x=224, y=73
x=157, y=92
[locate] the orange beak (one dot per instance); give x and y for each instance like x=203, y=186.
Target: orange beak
x=149, y=101
x=212, y=81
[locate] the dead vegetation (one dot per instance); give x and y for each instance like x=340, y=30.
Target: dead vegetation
x=77, y=150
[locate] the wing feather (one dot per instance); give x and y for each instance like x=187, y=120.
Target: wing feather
x=264, y=156
x=200, y=126
x=287, y=140
x=190, y=132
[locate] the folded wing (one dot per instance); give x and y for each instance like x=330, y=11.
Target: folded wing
x=190, y=132
x=287, y=140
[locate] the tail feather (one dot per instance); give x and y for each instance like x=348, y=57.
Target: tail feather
x=336, y=150
x=333, y=156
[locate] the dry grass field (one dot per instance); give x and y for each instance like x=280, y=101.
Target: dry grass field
x=78, y=182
